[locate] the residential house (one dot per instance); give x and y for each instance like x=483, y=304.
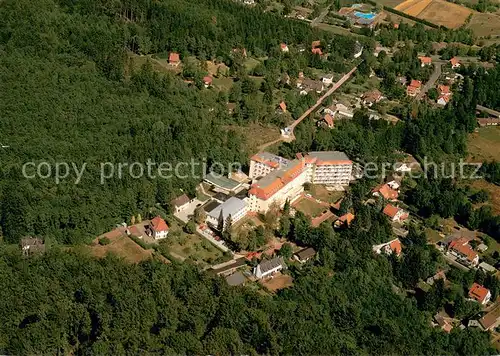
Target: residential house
x=136, y=231
x=393, y=246
x=180, y=203
x=480, y=294
x=385, y=191
x=490, y=121
x=487, y=268
x=443, y=100
x=227, y=268
x=414, y=88
x=327, y=79
x=269, y=267
x=174, y=59
x=344, y=221
x=492, y=319
x=284, y=47
x=234, y=209
x=207, y=80
x=425, y=61
x=395, y=213
x=402, y=167
x=317, y=51
x=344, y=111
x=455, y=63
x=305, y=254
x=441, y=275
x=461, y=249
x=309, y=85
x=372, y=97
x=242, y=51
x=315, y=44
x=444, y=94
x=159, y=228
x=394, y=184
x=32, y=245
x=444, y=322
x=282, y=107
x=328, y=119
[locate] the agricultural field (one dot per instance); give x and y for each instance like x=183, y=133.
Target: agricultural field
x=485, y=24
x=484, y=145
x=439, y=12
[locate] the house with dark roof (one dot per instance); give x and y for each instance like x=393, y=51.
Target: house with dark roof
x=180, y=203
x=305, y=254
x=269, y=267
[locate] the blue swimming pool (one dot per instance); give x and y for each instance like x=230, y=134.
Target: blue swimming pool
x=368, y=16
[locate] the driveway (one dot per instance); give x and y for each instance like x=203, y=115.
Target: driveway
x=185, y=214
x=432, y=80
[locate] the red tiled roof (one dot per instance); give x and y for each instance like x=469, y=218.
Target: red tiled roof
x=396, y=247
x=396, y=26
x=478, y=292
x=446, y=98
x=461, y=245
x=315, y=44
x=283, y=106
x=347, y=218
x=329, y=120
x=283, y=46
x=425, y=60
x=387, y=192
x=317, y=51
x=454, y=61
x=173, y=57
x=444, y=89
x=158, y=224
x=207, y=79
x=269, y=190
x=258, y=158
x=391, y=210
x=415, y=83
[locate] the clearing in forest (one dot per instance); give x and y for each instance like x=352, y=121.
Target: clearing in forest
x=277, y=282
x=484, y=145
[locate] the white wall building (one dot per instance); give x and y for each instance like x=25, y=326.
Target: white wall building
x=269, y=267
x=278, y=186
x=264, y=163
x=159, y=228
x=329, y=168
x=234, y=207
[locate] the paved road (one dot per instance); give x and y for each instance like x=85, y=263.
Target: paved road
x=326, y=95
x=488, y=110
x=432, y=80
x=310, y=110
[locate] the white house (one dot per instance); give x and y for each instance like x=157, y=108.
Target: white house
x=269, y=267
x=180, y=203
x=233, y=207
x=327, y=79
x=159, y=228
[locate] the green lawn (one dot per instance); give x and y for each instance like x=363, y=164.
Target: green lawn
x=309, y=207
x=485, y=144
x=320, y=192
x=191, y=246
